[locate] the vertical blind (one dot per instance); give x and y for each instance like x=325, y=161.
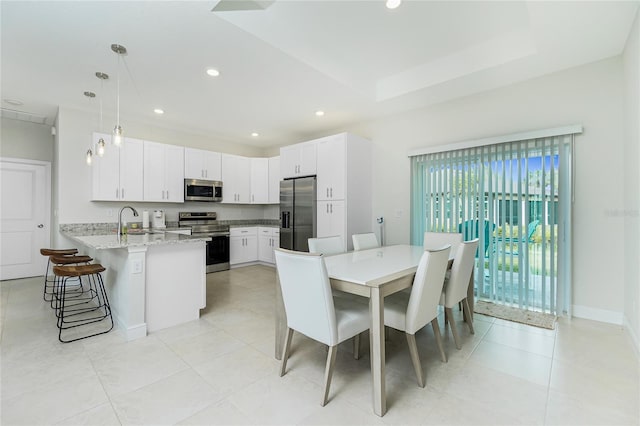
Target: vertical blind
x=515, y=197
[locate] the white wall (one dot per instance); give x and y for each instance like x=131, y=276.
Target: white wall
x=73, y=176
x=631, y=216
x=22, y=139
x=591, y=95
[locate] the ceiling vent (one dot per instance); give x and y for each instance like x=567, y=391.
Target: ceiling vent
x=22, y=116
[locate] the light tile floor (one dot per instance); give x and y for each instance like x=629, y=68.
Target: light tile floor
x=221, y=370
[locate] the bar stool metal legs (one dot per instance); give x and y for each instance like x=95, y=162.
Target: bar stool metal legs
x=74, y=312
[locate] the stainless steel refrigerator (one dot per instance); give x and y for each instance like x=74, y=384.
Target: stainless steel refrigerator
x=297, y=212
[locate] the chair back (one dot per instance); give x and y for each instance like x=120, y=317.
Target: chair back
x=440, y=239
x=365, y=241
x=326, y=245
x=306, y=292
x=471, y=229
x=531, y=229
x=427, y=289
x=463, y=264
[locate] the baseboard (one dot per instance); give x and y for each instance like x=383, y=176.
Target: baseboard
x=632, y=335
x=602, y=315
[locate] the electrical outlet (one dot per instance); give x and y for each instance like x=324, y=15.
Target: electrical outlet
x=109, y=212
x=136, y=267
x=399, y=213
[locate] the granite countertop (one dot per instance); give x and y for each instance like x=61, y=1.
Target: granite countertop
x=100, y=239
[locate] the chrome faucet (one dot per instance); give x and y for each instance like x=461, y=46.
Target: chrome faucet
x=135, y=213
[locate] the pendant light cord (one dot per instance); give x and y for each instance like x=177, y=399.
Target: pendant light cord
x=118, y=92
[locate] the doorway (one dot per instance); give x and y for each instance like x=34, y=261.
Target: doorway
x=25, y=205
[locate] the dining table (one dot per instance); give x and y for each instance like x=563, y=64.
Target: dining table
x=374, y=273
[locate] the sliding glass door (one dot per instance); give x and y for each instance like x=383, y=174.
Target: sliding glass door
x=515, y=197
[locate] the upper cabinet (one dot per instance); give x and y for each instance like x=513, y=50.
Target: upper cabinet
x=259, y=180
x=298, y=160
x=201, y=164
x=236, y=179
x=117, y=176
x=163, y=172
x=331, y=167
x=265, y=180
x=274, y=180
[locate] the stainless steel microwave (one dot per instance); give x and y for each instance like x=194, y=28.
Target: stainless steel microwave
x=202, y=190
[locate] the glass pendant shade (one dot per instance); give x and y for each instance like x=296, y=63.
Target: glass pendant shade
x=117, y=135
x=100, y=148
x=89, y=157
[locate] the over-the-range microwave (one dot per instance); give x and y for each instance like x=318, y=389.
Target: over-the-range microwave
x=202, y=190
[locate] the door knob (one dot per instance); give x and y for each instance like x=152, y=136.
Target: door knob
x=41, y=226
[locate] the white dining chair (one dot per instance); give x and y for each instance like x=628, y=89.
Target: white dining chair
x=411, y=312
x=456, y=286
x=312, y=310
x=438, y=239
x=365, y=241
x=326, y=245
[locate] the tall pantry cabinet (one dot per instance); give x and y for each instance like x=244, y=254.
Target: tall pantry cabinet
x=344, y=176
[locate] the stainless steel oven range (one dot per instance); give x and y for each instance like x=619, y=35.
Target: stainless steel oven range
x=205, y=224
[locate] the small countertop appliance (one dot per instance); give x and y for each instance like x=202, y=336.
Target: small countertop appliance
x=157, y=219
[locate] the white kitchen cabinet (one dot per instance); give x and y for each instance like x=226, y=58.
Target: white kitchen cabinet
x=201, y=164
x=331, y=220
x=259, y=180
x=163, y=172
x=331, y=167
x=236, y=179
x=268, y=241
x=298, y=160
x=243, y=245
x=118, y=175
x=274, y=180
x=344, y=186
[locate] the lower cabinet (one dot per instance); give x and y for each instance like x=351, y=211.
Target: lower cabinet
x=268, y=240
x=243, y=245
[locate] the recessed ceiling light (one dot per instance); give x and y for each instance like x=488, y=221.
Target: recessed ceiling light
x=158, y=111
x=213, y=72
x=255, y=135
x=13, y=102
x=319, y=113
x=392, y=4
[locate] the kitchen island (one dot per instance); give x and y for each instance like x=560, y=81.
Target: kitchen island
x=154, y=280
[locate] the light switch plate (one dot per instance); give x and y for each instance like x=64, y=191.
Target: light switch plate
x=136, y=267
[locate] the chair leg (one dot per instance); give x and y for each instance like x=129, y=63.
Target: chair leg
x=285, y=351
x=356, y=346
x=328, y=373
x=452, y=323
x=469, y=316
x=436, y=332
x=415, y=359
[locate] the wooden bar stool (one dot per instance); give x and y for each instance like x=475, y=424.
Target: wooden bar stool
x=70, y=260
x=93, y=307
x=48, y=282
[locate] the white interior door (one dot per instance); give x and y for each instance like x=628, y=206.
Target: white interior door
x=24, y=217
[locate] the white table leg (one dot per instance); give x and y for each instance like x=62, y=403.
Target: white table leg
x=376, y=333
x=281, y=321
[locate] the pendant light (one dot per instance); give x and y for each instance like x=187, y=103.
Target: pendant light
x=101, y=144
x=117, y=130
x=89, y=156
